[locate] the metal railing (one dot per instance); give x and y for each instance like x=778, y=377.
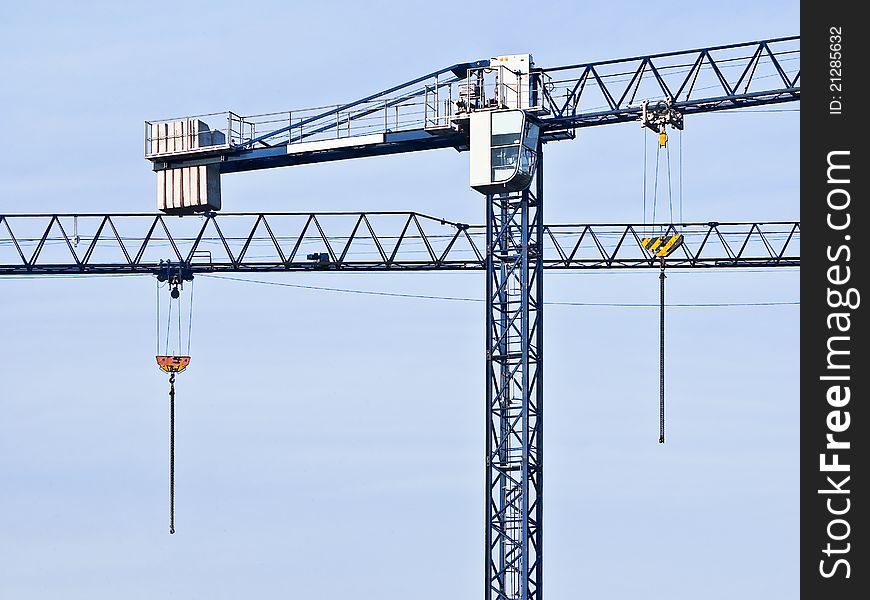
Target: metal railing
x=492, y=88
x=195, y=134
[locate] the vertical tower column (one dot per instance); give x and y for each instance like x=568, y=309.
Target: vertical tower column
x=514, y=393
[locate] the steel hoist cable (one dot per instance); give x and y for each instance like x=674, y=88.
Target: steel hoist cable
x=662, y=278
x=174, y=360
x=643, y=136
x=674, y=242
x=680, y=170
x=670, y=193
x=172, y=453
x=655, y=186
x=662, y=245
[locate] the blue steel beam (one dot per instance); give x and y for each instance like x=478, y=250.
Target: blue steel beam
x=402, y=142
x=515, y=243
x=95, y=244
x=717, y=78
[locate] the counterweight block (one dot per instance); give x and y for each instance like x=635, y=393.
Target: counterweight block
x=185, y=190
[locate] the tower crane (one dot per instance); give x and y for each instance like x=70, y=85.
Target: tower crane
x=502, y=111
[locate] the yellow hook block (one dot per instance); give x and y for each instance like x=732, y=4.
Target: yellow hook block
x=662, y=246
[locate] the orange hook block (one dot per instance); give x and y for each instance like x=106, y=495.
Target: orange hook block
x=173, y=364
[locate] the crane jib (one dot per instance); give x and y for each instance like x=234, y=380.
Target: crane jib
x=434, y=111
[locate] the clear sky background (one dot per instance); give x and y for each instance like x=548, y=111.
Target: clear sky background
x=332, y=445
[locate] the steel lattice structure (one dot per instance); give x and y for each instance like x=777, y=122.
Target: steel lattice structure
x=693, y=81
x=364, y=241
x=514, y=394
x=513, y=247
x=413, y=116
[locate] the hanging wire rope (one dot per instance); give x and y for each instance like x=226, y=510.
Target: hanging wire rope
x=643, y=137
x=662, y=278
x=680, y=148
x=172, y=453
x=168, y=325
x=179, y=325
x=189, y=317
x=670, y=195
x=173, y=362
x=465, y=299
x=656, y=185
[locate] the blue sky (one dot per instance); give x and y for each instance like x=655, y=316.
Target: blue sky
x=332, y=444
